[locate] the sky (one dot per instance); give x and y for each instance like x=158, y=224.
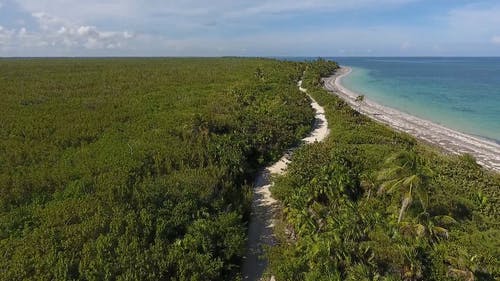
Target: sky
x=249, y=28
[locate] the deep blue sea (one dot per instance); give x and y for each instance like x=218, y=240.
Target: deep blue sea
x=459, y=93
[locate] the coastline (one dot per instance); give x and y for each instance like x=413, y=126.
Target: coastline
x=487, y=153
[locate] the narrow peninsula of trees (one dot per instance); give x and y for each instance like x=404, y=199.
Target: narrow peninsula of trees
x=374, y=204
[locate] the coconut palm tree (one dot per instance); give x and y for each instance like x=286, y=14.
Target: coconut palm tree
x=360, y=98
x=433, y=228
x=408, y=173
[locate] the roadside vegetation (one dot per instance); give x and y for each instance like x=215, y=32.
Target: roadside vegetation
x=137, y=169
x=371, y=203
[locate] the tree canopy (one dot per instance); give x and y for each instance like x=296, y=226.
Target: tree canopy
x=137, y=169
x=374, y=204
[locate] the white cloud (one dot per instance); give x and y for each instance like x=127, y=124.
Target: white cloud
x=5, y=36
x=238, y=27
x=81, y=10
x=322, y=42
x=495, y=39
x=22, y=32
x=64, y=33
x=406, y=45
x=128, y=35
x=56, y=36
x=104, y=25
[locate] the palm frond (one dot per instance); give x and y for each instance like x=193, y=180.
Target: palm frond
x=440, y=231
x=445, y=220
x=395, y=184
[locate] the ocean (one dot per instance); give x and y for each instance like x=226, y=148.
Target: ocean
x=458, y=93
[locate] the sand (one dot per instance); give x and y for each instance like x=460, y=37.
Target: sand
x=487, y=153
x=264, y=207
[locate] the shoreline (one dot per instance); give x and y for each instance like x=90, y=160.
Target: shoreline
x=487, y=153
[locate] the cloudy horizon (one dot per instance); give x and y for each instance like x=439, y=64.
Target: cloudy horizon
x=249, y=28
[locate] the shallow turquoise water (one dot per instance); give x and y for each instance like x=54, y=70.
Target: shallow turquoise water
x=459, y=93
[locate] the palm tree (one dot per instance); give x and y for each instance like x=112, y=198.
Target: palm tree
x=368, y=183
x=433, y=228
x=407, y=172
x=359, y=100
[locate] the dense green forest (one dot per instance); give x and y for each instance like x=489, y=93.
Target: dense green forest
x=141, y=169
x=137, y=169
x=374, y=204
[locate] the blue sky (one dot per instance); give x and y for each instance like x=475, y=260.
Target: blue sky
x=249, y=28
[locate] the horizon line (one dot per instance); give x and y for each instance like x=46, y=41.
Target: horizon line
x=236, y=56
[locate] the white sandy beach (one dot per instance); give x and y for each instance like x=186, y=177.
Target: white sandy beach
x=487, y=153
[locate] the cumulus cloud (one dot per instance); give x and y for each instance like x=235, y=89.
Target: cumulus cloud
x=5, y=35
x=57, y=36
x=191, y=22
x=22, y=32
x=58, y=32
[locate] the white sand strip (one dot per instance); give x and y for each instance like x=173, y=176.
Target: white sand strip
x=260, y=228
x=487, y=153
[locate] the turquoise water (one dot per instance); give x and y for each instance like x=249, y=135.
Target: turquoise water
x=459, y=93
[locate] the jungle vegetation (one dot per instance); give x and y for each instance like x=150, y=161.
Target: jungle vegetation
x=141, y=169
x=371, y=203
x=137, y=169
